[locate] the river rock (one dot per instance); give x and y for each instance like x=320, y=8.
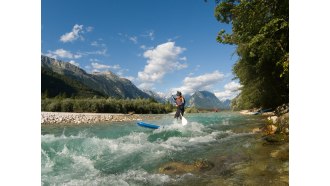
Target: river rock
x=256, y=130
x=282, y=109
x=84, y=118
x=273, y=119
x=183, y=168
x=270, y=129
x=276, y=139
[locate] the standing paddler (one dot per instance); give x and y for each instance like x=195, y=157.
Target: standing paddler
x=179, y=102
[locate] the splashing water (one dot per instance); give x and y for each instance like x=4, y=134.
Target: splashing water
x=126, y=154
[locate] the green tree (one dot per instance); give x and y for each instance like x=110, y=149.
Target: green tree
x=260, y=30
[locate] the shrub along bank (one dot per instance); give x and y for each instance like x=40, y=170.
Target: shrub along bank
x=102, y=105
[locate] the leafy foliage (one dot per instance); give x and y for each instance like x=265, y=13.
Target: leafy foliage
x=260, y=29
x=103, y=105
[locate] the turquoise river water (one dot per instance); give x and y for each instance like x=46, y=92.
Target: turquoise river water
x=125, y=154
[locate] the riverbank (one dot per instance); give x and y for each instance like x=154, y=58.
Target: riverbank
x=54, y=118
x=276, y=127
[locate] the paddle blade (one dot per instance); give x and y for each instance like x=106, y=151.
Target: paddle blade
x=184, y=121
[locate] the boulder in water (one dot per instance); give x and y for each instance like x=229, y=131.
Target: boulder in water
x=183, y=168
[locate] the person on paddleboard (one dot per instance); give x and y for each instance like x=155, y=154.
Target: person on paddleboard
x=179, y=102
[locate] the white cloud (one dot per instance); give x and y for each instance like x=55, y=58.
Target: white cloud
x=97, y=44
x=89, y=29
x=230, y=92
x=232, y=86
x=146, y=85
x=102, y=52
x=161, y=60
x=73, y=35
x=74, y=63
x=115, y=67
x=131, y=78
x=144, y=47
x=225, y=95
x=125, y=37
x=99, y=66
x=62, y=54
x=133, y=39
x=183, y=58
x=202, y=82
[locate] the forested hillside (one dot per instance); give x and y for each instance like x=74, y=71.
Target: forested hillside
x=54, y=84
x=260, y=30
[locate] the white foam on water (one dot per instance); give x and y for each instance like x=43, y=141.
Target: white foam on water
x=205, y=139
x=129, y=178
x=47, y=138
x=225, y=121
x=123, y=145
x=93, y=149
x=46, y=163
x=191, y=128
x=64, y=152
x=83, y=163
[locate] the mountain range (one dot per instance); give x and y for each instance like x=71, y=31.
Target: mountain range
x=106, y=83
x=200, y=100
x=63, y=78
x=207, y=100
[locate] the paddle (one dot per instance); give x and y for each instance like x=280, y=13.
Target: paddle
x=184, y=120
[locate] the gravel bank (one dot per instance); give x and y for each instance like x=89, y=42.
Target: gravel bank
x=49, y=118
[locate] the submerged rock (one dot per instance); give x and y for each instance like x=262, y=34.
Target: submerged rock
x=256, y=130
x=183, y=168
x=281, y=154
x=276, y=139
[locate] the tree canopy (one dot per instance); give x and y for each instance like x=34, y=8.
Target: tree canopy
x=260, y=30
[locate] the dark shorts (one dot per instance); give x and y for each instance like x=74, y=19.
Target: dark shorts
x=178, y=111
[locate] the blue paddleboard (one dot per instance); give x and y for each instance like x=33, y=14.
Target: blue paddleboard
x=142, y=124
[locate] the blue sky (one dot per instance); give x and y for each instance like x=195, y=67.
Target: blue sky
x=163, y=46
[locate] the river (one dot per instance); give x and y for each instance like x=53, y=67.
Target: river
x=213, y=149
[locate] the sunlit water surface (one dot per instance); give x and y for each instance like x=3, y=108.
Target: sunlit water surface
x=126, y=154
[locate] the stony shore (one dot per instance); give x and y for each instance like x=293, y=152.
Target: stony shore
x=277, y=123
x=53, y=118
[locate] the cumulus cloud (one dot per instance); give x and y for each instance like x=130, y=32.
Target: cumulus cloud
x=62, y=54
x=73, y=35
x=144, y=47
x=74, y=63
x=230, y=92
x=232, y=86
x=131, y=78
x=161, y=60
x=202, y=82
x=98, y=67
x=183, y=58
